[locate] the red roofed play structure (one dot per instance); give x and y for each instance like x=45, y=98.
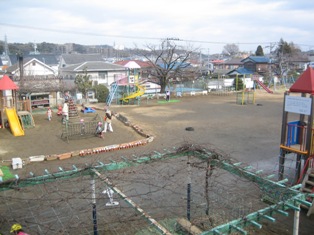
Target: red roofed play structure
x=8, y=106
x=297, y=135
x=7, y=84
x=305, y=83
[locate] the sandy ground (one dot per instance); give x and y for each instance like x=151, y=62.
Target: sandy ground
x=246, y=133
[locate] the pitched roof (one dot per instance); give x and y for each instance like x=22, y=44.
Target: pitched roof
x=257, y=59
x=94, y=66
x=7, y=84
x=140, y=63
x=240, y=71
x=173, y=65
x=129, y=64
x=234, y=61
x=305, y=83
x=27, y=61
x=80, y=58
x=49, y=59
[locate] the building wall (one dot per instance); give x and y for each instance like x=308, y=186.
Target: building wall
x=96, y=77
x=36, y=69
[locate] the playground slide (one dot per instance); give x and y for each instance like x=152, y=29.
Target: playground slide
x=14, y=122
x=140, y=91
x=263, y=85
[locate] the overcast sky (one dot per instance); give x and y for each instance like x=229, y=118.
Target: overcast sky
x=205, y=24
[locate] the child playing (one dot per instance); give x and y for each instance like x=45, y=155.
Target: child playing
x=99, y=130
x=49, y=114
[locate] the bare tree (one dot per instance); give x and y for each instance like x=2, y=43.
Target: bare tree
x=169, y=61
x=283, y=57
x=231, y=50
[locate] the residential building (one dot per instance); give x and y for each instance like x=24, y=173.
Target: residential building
x=99, y=72
x=74, y=59
x=252, y=65
x=137, y=69
x=37, y=81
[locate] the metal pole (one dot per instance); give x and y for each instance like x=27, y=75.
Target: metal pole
x=283, y=139
x=296, y=222
x=188, y=209
x=94, y=205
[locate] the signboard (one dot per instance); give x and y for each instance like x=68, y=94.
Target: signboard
x=79, y=96
x=301, y=105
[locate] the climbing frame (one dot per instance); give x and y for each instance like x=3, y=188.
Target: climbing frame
x=27, y=119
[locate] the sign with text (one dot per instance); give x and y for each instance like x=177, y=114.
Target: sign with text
x=301, y=105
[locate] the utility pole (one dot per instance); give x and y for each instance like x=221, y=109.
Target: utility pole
x=271, y=45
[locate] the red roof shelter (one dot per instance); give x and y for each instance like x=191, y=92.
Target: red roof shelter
x=305, y=83
x=7, y=84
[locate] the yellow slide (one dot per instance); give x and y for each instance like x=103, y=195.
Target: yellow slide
x=140, y=91
x=14, y=122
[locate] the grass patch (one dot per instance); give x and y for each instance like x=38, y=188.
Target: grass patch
x=165, y=102
x=6, y=173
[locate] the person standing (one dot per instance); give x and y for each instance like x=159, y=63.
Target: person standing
x=167, y=95
x=49, y=114
x=107, y=119
x=82, y=126
x=65, y=111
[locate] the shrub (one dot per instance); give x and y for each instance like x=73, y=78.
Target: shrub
x=238, y=84
x=101, y=92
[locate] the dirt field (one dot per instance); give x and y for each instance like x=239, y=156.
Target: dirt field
x=246, y=133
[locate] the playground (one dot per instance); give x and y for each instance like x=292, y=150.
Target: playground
x=246, y=133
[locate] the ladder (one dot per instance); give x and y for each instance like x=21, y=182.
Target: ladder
x=113, y=89
x=73, y=112
x=308, y=187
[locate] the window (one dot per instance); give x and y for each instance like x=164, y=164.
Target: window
x=103, y=74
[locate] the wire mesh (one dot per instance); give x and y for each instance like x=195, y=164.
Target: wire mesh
x=159, y=188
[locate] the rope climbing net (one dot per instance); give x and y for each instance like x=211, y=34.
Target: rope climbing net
x=80, y=127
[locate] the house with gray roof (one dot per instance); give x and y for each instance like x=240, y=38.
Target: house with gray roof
x=252, y=65
x=51, y=60
x=74, y=59
x=38, y=81
x=32, y=68
x=99, y=72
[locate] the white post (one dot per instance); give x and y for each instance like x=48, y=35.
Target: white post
x=188, y=209
x=94, y=205
x=296, y=222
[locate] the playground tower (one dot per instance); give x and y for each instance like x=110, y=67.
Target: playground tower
x=297, y=127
